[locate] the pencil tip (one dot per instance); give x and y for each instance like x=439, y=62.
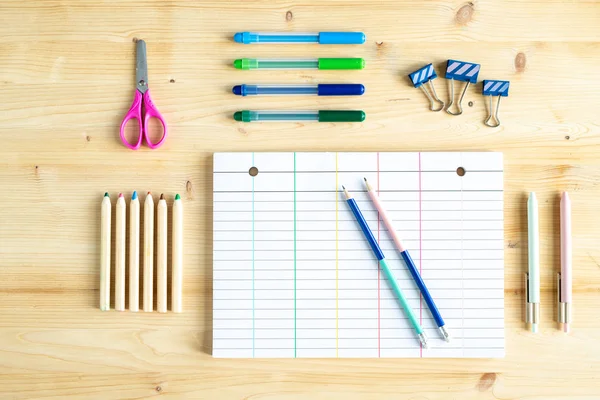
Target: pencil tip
x=162, y=196
x=177, y=197
x=149, y=193
x=343, y=187
x=365, y=179
x=134, y=195
x=106, y=194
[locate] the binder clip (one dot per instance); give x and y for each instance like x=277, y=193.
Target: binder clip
x=464, y=72
x=420, y=77
x=491, y=89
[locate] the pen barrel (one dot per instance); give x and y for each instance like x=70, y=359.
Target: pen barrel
x=341, y=37
x=566, y=284
x=365, y=228
x=341, y=63
x=412, y=268
x=534, y=249
x=341, y=116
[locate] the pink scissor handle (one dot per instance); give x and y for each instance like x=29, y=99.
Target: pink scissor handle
x=152, y=112
x=135, y=112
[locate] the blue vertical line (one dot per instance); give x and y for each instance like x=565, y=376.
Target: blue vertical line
x=253, y=333
x=295, y=351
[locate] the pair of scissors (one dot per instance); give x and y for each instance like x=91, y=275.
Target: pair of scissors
x=142, y=108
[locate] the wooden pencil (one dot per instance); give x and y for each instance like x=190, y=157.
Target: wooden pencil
x=120, y=254
x=161, y=255
x=105, y=253
x=148, y=253
x=134, y=253
x=177, y=255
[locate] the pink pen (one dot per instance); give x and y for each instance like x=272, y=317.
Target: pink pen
x=565, y=275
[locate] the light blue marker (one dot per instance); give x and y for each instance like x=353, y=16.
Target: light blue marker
x=284, y=37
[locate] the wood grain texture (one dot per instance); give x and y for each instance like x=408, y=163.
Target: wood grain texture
x=66, y=81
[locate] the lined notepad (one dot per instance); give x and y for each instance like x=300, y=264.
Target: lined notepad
x=293, y=275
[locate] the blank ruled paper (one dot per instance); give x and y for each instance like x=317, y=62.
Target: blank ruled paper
x=294, y=276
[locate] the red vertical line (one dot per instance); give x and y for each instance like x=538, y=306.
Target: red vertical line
x=420, y=251
x=378, y=275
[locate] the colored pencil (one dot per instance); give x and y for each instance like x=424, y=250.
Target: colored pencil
x=161, y=255
x=148, y=253
x=386, y=269
x=134, y=253
x=120, y=254
x=105, y=216
x=410, y=264
x=177, y=254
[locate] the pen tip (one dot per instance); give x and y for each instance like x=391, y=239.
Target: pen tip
x=177, y=197
x=134, y=195
x=106, y=194
x=120, y=195
x=149, y=193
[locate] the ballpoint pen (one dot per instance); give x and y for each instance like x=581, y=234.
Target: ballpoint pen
x=532, y=278
x=565, y=275
x=386, y=269
x=318, y=116
x=340, y=89
x=409, y=262
x=312, y=63
x=287, y=37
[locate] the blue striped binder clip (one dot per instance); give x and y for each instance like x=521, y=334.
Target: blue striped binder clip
x=425, y=75
x=491, y=89
x=464, y=72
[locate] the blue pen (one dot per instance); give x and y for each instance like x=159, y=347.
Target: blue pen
x=319, y=90
x=410, y=264
x=286, y=37
x=386, y=269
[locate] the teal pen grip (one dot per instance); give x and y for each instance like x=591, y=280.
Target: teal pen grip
x=392, y=281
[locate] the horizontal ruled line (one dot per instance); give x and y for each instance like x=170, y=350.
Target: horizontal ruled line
x=357, y=172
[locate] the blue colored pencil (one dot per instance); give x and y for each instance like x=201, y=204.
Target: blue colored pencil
x=386, y=269
x=410, y=264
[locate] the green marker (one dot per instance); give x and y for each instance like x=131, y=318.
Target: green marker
x=318, y=116
x=315, y=63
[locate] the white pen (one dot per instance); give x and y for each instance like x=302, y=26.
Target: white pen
x=565, y=283
x=532, y=278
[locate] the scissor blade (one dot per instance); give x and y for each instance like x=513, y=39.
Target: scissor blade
x=141, y=67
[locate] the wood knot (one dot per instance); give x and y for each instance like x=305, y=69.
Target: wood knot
x=379, y=44
x=465, y=14
x=486, y=381
x=158, y=389
x=289, y=16
x=88, y=138
x=567, y=137
x=172, y=81
x=189, y=189
x=520, y=62
x=135, y=40
x=242, y=131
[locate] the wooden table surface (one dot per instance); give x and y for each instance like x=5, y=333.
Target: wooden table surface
x=67, y=79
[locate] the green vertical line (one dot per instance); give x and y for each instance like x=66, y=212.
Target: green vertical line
x=253, y=331
x=295, y=255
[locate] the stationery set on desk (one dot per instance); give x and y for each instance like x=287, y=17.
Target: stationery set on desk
x=299, y=238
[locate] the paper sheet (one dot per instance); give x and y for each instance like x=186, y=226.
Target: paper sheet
x=293, y=275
